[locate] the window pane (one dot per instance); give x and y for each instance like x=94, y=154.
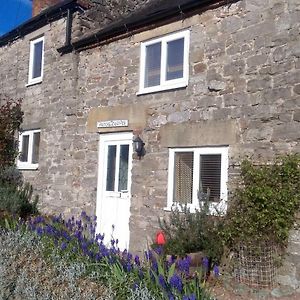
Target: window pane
x=152, y=65
x=24, y=150
x=175, y=51
x=123, y=168
x=35, y=147
x=111, y=167
x=210, y=175
x=37, y=60
x=183, y=177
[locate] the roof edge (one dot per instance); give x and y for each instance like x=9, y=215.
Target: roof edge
x=129, y=24
x=50, y=14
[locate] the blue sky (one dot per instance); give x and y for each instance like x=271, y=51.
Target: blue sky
x=13, y=13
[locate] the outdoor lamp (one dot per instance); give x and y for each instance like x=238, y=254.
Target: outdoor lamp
x=138, y=146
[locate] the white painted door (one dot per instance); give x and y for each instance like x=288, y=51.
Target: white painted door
x=114, y=182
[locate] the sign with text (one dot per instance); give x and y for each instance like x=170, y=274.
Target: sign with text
x=112, y=123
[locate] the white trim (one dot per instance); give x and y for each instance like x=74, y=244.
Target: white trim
x=105, y=140
x=39, y=79
x=218, y=207
x=165, y=84
x=28, y=165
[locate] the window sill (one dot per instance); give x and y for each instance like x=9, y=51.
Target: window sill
x=28, y=167
x=161, y=88
x=34, y=82
x=174, y=206
x=215, y=208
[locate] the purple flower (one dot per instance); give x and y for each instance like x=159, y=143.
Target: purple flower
x=205, y=263
x=162, y=281
x=137, y=260
x=141, y=274
x=39, y=231
x=129, y=256
x=159, y=250
x=183, y=265
x=171, y=296
x=100, y=237
x=176, y=282
x=63, y=246
x=128, y=267
x=154, y=266
x=216, y=271
x=98, y=257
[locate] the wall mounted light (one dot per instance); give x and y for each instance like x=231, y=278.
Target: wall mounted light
x=138, y=146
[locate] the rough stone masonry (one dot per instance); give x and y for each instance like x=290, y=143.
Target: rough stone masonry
x=243, y=91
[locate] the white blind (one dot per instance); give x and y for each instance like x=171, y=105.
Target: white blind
x=210, y=175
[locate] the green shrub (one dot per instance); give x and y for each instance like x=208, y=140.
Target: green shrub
x=188, y=232
x=15, y=196
x=18, y=200
x=11, y=117
x=264, y=207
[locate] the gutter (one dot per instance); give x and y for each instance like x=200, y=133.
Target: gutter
x=45, y=17
x=136, y=22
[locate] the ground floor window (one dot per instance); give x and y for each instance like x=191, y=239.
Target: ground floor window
x=194, y=172
x=29, y=144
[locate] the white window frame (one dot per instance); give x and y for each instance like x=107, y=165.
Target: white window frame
x=214, y=207
x=165, y=84
x=28, y=165
x=39, y=79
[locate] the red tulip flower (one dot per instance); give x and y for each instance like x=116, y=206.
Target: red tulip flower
x=160, y=238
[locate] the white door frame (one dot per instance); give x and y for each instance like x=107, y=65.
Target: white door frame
x=104, y=140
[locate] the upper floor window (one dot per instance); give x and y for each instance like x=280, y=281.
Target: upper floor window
x=194, y=171
x=29, y=145
x=36, y=60
x=165, y=62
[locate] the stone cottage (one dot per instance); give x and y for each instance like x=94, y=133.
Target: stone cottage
x=132, y=106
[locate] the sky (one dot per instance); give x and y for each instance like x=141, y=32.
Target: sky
x=13, y=13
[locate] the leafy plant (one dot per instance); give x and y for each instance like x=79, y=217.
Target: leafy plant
x=188, y=232
x=18, y=200
x=15, y=196
x=11, y=117
x=74, y=241
x=264, y=206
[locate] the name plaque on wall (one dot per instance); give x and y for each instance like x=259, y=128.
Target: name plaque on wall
x=112, y=123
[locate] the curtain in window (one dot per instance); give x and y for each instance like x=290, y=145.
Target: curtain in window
x=183, y=177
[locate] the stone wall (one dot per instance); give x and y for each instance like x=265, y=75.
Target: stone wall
x=244, y=75
x=243, y=91
x=52, y=105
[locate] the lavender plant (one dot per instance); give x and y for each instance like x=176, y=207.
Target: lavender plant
x=25, y=274
x=79, y=256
